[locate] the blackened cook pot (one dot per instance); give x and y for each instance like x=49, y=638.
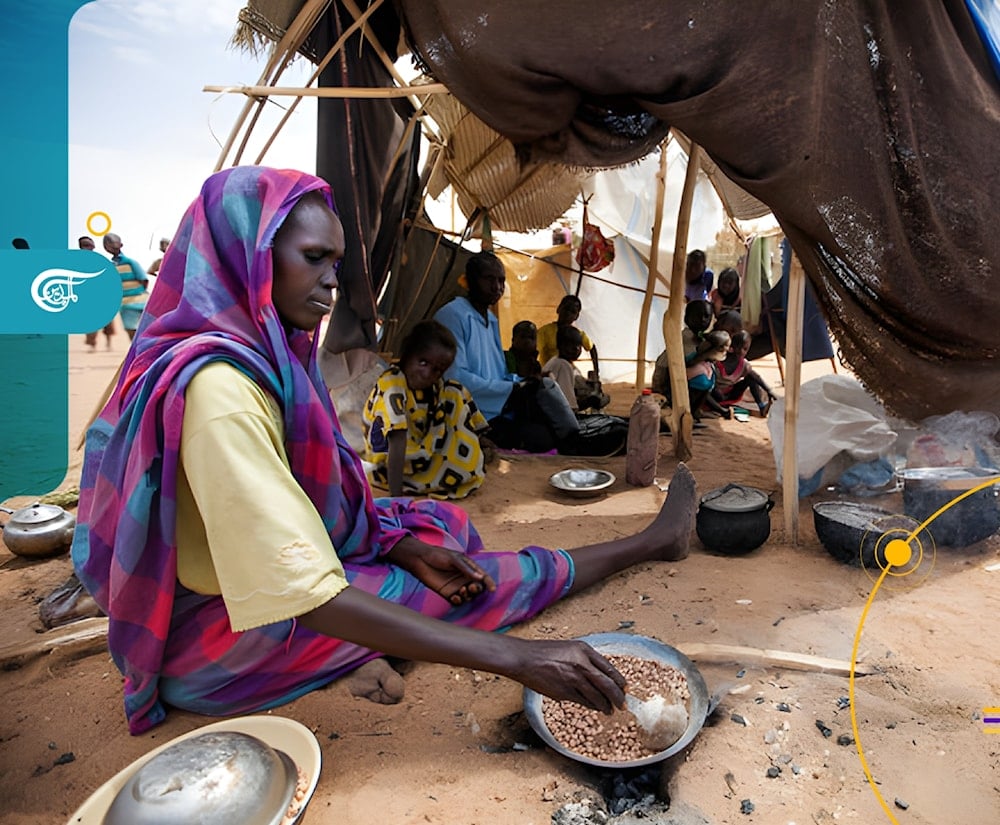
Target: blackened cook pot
x=926, y=490
x=734, y=519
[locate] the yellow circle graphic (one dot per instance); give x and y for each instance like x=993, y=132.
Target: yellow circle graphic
x=100, y=215
x=898, y=552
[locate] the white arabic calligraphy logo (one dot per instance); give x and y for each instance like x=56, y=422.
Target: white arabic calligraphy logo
x=52, y=290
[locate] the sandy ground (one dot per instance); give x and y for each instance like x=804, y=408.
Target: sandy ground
x=457, y=749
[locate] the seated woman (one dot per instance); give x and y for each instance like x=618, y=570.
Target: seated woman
x=227, y=529
x=422, y=431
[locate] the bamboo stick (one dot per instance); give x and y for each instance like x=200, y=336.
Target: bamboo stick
x=654, y=253
x=674, y=319
x=793, y=380
x=309, y=13
x=105, y=395
x=336, y=47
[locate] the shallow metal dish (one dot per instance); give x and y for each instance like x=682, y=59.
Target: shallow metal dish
x=286, y=735
x=700, y=705
x=582, y=481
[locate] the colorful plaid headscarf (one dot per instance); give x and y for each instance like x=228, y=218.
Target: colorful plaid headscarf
x=212, y=301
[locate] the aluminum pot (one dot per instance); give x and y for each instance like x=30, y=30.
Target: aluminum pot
x=39, y=530
x=926, y=490
x=734, y=519
x=700, y=703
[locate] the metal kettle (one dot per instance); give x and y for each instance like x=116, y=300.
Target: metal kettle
x=38, y=530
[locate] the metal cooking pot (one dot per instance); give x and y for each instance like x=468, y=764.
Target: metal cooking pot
x=928, y=489
x=734, y=519
x=38, y=530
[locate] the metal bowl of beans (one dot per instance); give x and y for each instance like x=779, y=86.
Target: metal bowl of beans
x=609, y=742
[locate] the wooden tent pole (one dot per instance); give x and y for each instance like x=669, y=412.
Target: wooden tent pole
x=673, y=321
x=654, y=252
x=794, y=321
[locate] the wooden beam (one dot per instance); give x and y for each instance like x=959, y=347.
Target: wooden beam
x=673, y=321
x=79, y=638
x=760, y=657
x=654, y=253
x=331, y=91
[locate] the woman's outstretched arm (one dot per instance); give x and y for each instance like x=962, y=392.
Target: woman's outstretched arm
x=564, y=670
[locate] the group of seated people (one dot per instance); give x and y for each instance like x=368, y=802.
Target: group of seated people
x=715, y=346
x=454, y=394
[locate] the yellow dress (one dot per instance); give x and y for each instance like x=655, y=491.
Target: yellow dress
x=442, y=424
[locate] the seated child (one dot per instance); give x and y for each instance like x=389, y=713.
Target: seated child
x=697, y=318
x=701, y=372
x=566, y=314
x=735, y=376
x=522, y=357
x=726, y=295
x=580, y=393
x=729, y=320
x=423, y=433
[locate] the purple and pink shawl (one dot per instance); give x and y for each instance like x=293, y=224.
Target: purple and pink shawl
x=212, y=301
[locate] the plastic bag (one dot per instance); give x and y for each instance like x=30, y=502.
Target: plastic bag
x=958, y=439
x=840, y=424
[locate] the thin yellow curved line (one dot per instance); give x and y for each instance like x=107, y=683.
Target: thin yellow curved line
x=850, y=696
x=861, y=624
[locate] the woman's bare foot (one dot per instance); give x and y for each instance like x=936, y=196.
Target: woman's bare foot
x=670, y=532
x=377, y=682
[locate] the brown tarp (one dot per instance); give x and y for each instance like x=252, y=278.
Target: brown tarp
x=870, y=129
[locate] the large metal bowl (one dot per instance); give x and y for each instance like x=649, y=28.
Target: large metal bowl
x=223, y=776
x=283, y=735
x=582, y=482
x=641, y=647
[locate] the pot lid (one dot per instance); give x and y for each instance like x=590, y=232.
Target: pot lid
x=735, y=498
x=37, y=514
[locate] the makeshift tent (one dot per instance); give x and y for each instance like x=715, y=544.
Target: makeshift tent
x=866, y=132
x=863, y=130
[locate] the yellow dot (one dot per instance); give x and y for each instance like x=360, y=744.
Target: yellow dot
x=897, y=552
x=92, y=227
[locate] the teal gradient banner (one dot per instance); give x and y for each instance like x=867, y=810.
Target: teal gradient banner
x=34, y=422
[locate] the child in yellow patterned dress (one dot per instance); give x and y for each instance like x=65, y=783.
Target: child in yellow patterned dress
x=424, y=435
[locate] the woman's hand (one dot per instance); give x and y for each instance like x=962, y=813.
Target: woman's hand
x=563, y=670
x=450, y=574
x=570, y=671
